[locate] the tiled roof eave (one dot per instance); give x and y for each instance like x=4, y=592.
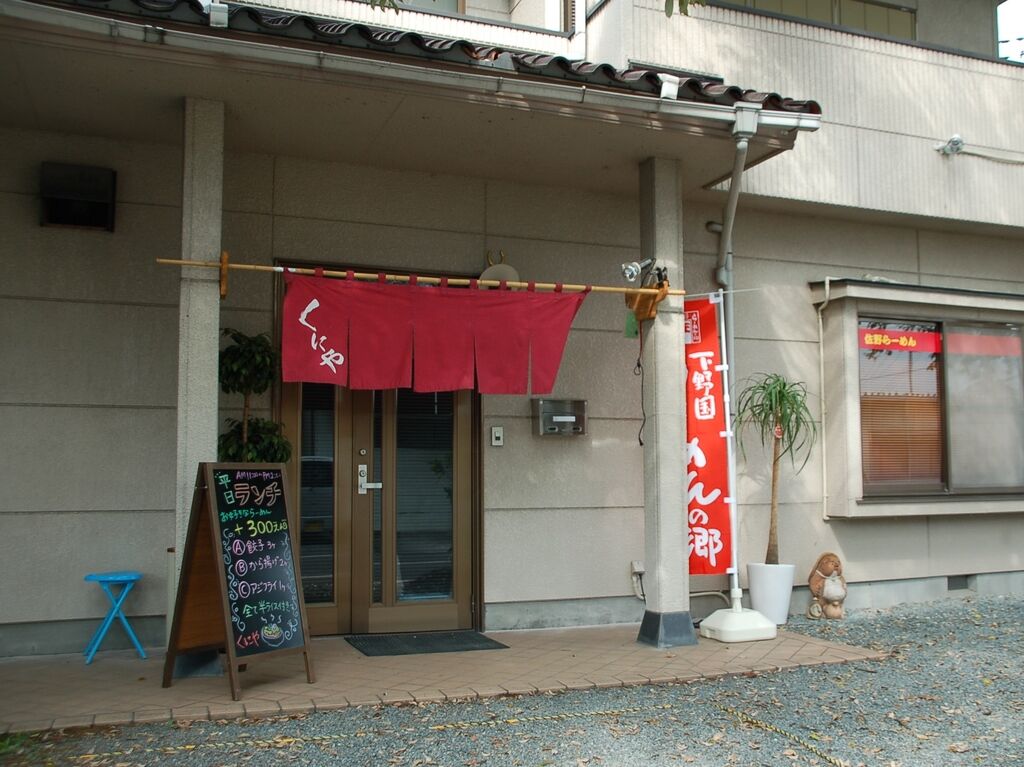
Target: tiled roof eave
x=250, y=22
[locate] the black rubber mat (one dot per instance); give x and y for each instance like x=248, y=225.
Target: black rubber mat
x=425, y=642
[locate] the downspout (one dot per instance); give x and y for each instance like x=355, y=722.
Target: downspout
x=743, y=129
x=824, y=406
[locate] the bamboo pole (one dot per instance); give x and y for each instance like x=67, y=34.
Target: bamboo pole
x=223, y=265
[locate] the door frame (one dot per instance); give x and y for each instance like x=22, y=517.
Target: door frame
x=285, y=407
x=435, y=614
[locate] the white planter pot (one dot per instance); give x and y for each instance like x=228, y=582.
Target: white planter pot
x=771, y=587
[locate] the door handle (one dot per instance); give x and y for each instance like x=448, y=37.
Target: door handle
x=363, y=484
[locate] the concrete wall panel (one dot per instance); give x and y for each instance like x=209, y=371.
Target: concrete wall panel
x=147, y=174
x=248, y=182
x=548, y=213
x=65, y=547
x=600, y=469
x=848, y=245
x=70, y=353
x=73, y=264
x=373, y=195
x=991, y=258
x=87, y=459
x=343, y=243
x=555, y=553
x=969, y=545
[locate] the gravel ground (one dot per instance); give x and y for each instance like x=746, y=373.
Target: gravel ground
x=951, y=693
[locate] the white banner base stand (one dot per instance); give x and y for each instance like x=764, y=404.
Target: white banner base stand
x=737, y=623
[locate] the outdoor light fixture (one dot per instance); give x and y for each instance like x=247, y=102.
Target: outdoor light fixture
x=633, y=269
x=499, y=271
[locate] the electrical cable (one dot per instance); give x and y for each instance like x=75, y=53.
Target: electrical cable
x=638, y=369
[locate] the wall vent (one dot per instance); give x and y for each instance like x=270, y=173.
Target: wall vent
x=77, y=195
x=956, y=583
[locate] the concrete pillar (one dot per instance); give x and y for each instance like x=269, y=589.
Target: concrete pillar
x=199, y=307
x=667, y=621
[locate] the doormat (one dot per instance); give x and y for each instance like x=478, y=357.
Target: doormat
x=426, y=642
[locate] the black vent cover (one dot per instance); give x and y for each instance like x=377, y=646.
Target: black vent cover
x=77, y=195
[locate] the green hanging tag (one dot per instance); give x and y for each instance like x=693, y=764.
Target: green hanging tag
x=632, y=329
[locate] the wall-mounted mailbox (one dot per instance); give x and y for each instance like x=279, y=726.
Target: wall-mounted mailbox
x=561, y=417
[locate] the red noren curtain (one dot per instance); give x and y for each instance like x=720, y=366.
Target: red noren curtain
x=384, y=336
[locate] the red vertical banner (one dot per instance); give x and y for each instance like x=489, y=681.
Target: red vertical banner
x=707, y=454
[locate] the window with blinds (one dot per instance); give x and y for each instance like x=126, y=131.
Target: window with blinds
x=901, y=407
x=942, y=407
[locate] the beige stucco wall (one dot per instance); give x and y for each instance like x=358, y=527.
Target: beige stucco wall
x=88, y=336
x=885, y=105
x=88, y=339
x=777, y=332
x=90, y=330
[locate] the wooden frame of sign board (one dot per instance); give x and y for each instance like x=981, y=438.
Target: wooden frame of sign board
x=206, y=611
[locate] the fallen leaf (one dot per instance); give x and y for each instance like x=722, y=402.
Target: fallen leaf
x=959, y=748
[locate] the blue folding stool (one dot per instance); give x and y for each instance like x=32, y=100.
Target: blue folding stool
x=126, y=580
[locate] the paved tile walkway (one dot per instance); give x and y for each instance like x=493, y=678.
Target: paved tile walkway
x=56, y=692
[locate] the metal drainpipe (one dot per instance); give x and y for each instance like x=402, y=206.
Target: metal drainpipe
x=824, y=407
x=743, y=129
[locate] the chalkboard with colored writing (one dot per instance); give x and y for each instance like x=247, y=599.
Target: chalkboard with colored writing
x=259, y=567
x=238, y=586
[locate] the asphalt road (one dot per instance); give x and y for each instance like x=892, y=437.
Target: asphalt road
x=951, y=693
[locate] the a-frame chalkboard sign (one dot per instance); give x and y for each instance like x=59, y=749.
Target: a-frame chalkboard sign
x=240, y=586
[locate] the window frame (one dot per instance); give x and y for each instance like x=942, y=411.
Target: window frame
x=922, y=488
x=836, y=17
x=842, y=304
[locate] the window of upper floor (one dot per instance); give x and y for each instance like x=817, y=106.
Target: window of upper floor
x=549, y=15
x=924, y=396
x=948, y=25
x=874, y=17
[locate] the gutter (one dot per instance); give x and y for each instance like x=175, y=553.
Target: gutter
x=587, y=100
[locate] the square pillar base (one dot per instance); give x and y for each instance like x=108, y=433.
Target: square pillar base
x=667, y=629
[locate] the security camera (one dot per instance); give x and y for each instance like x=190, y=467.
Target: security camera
x=633, y=269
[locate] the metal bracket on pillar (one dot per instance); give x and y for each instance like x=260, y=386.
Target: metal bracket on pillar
x=223, y=275
x=645, y=305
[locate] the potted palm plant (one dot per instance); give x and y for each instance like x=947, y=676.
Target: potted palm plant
x=776, y=410
x=248, y=366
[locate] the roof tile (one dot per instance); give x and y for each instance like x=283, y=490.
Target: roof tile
x=358, y=36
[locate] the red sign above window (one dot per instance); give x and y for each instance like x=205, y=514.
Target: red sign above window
x=983, y=345
x=900, y=340
x=977, y=344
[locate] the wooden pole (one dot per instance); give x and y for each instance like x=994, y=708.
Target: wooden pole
x=456, y=281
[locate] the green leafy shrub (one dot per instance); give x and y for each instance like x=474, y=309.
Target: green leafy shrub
x=248, y=366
